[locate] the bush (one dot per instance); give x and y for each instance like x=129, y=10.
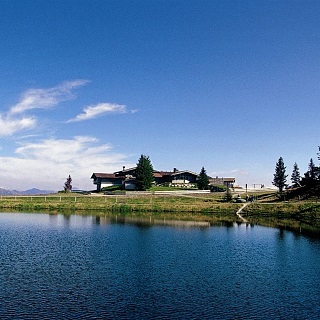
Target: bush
x=218, y=188
x=227, y=196
x=112, y=188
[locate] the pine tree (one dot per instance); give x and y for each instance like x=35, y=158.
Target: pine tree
x=144, y=173
x=203, y=180
x=228, y=195
x=295, y=177
x=280, y=177
x=67, y=184
x=312, y=170
x=311, y=177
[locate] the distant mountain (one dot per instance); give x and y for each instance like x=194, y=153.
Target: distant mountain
x=5, y=192
x=33, y=191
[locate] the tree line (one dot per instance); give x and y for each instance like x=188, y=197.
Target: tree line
x=310, y=179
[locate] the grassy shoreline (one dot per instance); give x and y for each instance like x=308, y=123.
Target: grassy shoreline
x=204, y=207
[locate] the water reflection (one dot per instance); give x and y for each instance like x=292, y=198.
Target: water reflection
x=127, y=267
x=97, y=220
x=281, y=233
x=294, y=227
x=148, y=222
x=69, y=219
x=72, y=219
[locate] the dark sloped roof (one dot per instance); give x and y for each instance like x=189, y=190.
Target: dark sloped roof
x=157, y=174
x=122, y=172
x=165, y=173
x=104, y=175
x=183, y=171
x=223, y=179
x=229, y=179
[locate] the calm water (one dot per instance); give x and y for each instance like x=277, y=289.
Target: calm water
x=75, y=267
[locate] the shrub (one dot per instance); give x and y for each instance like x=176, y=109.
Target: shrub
x=112, y=188
x=227, y=196
x=218, y=188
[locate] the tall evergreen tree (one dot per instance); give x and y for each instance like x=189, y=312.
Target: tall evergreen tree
x=144, y=173
x=67, y=184
x=203, y=180
x=227, y=195
x=280, y=177
x=312, y=170
x=311, y=177
x=295, y=177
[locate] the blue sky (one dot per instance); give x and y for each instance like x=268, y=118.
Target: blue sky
x=89, y=86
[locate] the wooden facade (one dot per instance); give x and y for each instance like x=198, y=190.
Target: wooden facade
x=126, y=179
x=227, y=182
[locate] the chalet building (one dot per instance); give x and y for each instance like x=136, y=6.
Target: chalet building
x=126, y=178
x=227, y=182
x=102, y=180
x=176, y=178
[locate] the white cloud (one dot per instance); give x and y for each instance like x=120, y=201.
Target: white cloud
x=46, y=164
x=14, y=121
x=94, y=111
x=9, y=125
x=46, y=98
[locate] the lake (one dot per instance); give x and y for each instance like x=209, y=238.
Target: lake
x=83, y=267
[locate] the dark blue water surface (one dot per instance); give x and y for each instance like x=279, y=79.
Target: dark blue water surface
x=80, y=267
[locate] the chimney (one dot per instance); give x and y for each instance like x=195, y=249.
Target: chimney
x=123, y=168
x=175, y=170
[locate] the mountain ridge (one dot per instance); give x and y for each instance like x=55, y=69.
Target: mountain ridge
x=32, y=191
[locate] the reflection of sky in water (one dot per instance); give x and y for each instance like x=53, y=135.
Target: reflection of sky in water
x=45, y=221
x=60, y=267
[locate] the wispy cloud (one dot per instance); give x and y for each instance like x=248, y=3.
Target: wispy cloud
x=9, y=125
x=99, y=109
x=46, y=98
x=15, y=121
x=45, y=164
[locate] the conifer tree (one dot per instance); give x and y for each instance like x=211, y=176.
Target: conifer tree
x=228, y=195
x=295, y=177
x=311, y=177
x=280, y=177
x=203, y=180
x=67, y=184
x=312, y=169
x=144, y=173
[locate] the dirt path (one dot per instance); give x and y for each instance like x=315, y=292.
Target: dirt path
x=239, y=211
